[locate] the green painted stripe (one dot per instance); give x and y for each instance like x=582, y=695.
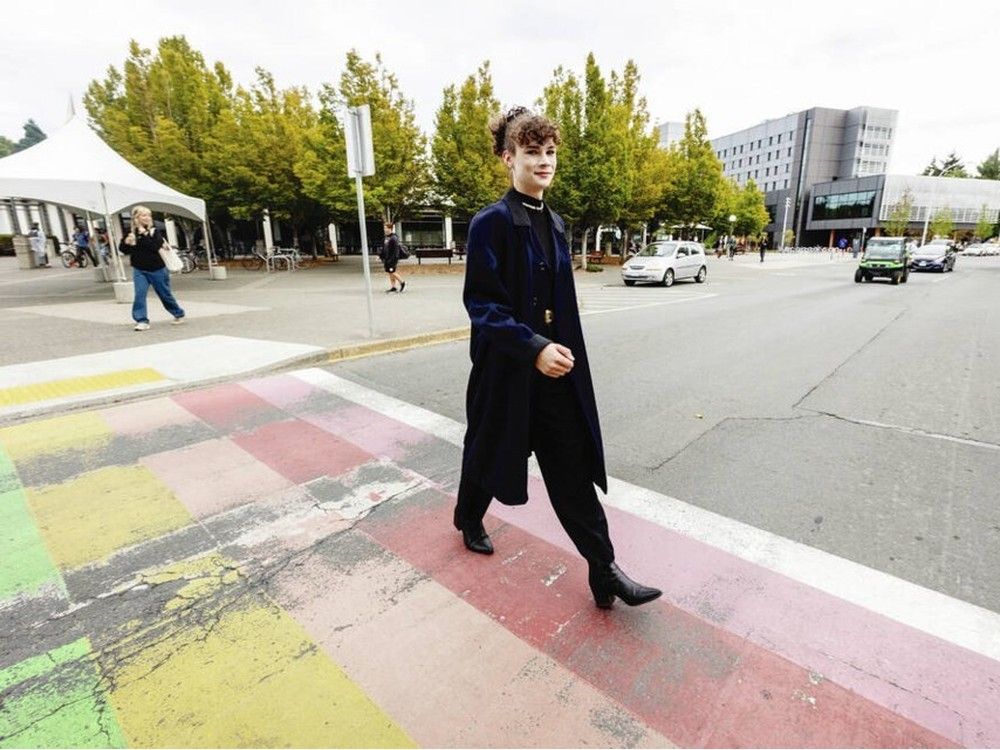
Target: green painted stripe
x=56, y=700
x=25, y=564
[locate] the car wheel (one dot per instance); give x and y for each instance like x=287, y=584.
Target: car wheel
x=858, y=276
x=629, y=283
x=668, y=277
x=702, y=274
x=895, y=278
x=906, y=277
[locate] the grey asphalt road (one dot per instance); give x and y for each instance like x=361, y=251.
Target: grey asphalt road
x=860, y=419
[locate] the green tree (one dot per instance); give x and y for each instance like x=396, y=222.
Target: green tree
x=789, y=238
x=899, y=215
x=467, y=174
x=990, y=168
x=402, y=176
x=646, y=167
x=6, y=146
x=984, y=227
x=32, y=135
x=941, y=223
x=698, y=184
x=562, y=101
x=951, y=167
x=160, y=112
x=255, y=148
x=322, y=161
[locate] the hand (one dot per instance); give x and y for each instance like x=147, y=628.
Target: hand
x=130, y=239
x=555, y=360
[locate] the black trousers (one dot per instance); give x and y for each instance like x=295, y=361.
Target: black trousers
x=561, y=442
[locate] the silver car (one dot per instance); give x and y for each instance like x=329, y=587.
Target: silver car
x=666, y=261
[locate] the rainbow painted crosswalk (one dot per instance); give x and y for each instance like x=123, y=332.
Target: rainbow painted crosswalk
x=271, y=563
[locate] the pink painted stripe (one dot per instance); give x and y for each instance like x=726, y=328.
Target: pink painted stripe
x=299, y=451
x=696, y=683
x=225, y=406
x=374, y=432
x=949, y=690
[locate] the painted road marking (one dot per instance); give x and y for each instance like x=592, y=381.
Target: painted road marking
x=617, y=299
x=71, y=710
x=932, y=612
x=58, y=389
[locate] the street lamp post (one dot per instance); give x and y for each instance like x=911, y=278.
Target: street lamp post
x=784, y=221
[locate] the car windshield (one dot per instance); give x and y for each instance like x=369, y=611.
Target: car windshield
x=660, y=249
x=931, y=250
x=882, y=249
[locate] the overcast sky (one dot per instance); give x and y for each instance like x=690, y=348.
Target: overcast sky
x=740, y=62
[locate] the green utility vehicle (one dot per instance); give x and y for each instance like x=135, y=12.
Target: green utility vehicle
x=885, y=258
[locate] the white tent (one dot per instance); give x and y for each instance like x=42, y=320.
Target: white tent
x=76, y=169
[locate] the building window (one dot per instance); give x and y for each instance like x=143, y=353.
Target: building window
x=779, y=137
x=741, y=148
x=770, y=141
x=786, y=184
x=791, y=134
x=788, y=168
x=789, y=152
x=859, y=205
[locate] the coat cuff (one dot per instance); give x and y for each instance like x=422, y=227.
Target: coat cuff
x=536, y=343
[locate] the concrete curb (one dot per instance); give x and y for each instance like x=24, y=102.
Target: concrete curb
x=312, y=359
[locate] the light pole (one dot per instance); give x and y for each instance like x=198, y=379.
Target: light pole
x=784, y=221
x=927, y=213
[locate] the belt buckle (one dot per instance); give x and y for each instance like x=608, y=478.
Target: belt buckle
x=548, y=317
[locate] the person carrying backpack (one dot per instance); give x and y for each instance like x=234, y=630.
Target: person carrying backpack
x=392, y=251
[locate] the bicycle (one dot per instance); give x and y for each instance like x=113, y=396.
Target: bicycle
x=255, y=261
x=188, y=260
x=70, y=259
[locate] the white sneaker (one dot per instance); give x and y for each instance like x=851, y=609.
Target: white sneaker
x=141, y=327
x=177, y=321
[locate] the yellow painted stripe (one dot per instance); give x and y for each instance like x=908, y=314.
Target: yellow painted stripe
x=53, y=389
x=73, y=432
x=252, y=678
x=88, y=518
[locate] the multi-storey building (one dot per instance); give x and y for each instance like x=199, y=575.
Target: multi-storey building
x=787, y=156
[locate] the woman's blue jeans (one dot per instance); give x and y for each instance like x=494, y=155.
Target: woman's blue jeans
x=160, y=281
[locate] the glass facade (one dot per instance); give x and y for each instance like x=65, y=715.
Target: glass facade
x=844, y=206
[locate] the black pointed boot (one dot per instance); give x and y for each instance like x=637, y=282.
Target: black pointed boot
x=607, y=581
x=475, y=537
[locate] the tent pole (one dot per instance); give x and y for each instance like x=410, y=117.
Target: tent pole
x=208, y=244
x=112, y=237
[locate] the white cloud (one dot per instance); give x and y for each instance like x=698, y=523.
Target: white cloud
x=740, y=62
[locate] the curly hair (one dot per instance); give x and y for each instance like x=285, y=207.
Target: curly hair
x=520, y=127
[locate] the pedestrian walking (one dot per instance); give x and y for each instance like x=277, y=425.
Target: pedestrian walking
x=142, y=244
x=37, y=239
x=763, y=248
x=530, y=389
x=81, y=243
x=390, y=258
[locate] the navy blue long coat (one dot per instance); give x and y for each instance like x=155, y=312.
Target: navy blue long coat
x=503, y=250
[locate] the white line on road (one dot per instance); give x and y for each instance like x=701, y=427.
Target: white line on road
x=953, y=620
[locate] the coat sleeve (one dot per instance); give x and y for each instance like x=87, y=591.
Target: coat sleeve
x=487, y=300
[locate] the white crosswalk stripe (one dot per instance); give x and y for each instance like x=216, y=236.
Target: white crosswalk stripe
x=596, y=300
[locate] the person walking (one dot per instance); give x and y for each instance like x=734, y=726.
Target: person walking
x=81, y=243
x=763, y=248
x=142, y=244
x=390, y=258
x=530, y=389
x=37, y=239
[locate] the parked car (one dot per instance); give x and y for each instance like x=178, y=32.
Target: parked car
x=886, y=258
x=934, y=256
x=976, y=249
x=664, y=262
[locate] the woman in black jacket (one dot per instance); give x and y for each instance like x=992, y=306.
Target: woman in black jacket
x=530, y=389
x=142, y=244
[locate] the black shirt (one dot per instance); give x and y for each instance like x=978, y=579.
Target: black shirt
x=145, y=253
x=541, y=222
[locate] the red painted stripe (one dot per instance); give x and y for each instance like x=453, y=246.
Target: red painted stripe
x=694, y=682
x=299, y=451
x=226, y=407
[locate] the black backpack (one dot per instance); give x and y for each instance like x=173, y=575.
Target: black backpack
x=404, y=251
